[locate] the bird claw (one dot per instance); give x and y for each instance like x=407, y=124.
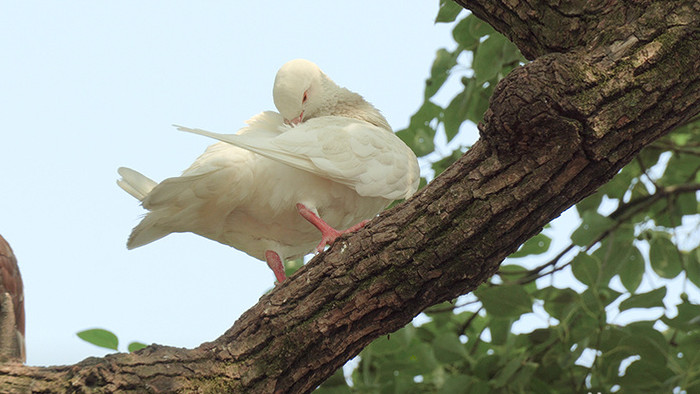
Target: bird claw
x=328, y=237
x=328, y=233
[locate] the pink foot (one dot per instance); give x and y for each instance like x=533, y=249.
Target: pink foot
x=328, y=233
x=275, y=263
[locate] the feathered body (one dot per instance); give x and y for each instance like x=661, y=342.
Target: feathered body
x=334, y=153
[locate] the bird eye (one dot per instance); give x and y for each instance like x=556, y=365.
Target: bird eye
x=303, y=99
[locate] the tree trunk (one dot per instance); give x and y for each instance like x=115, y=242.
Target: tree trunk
x=607, y=79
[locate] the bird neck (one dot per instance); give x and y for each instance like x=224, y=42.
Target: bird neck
x=343, y=102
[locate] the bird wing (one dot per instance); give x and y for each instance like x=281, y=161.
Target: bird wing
x=370, y=159
x=218, y=174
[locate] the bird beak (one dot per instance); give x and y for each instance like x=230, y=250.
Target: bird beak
x=296, y=120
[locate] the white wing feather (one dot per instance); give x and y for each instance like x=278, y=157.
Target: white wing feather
x=371, y=160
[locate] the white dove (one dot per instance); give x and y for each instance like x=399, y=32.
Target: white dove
x=328, y=160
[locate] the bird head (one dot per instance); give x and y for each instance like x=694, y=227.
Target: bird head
x=299, y=87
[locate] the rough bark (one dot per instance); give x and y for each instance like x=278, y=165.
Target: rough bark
x=608, y=78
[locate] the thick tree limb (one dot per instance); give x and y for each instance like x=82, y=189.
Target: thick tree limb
x=607, y=80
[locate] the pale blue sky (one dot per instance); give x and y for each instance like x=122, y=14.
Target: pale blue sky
x=88, y=86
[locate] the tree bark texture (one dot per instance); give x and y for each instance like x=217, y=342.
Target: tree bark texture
x=607, y=78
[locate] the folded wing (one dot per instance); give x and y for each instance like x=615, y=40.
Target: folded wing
x=370, y=159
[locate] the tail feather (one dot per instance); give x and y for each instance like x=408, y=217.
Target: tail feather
x=146, y=232
x=135, y=183
x=139, y=186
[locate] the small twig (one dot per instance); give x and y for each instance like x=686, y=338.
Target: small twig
x=674, y=148
x=478, y=340
x=621, y=214
x=449, y=308
x=601, y=326
x=633, y=207
x=646, y=173
x=470, y=320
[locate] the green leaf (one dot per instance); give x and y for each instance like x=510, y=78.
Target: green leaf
x=622, y=182
x=443, y=63
x=456, y=113
x=523, y=376
x=688, y=318
x=480, y=387
x=613, y=251
x=494, y=58
x=504, y=375
x=586, y=269
x=100, y=337
x=559, y=303
x=291, y=266
x=647, y=342
x=395, y=342
x=650, y=299
x=537, y=385
x=478, y=100
x=487, y=366
x=419, y=135
x=448, y=349
x=607, y=295
x=479, y=28
x=632, y=270
x=664, y=257
x=687, y=204
x=692, y=266
x=511, y=272
x=615, y=248
x=500, y=329
x=592, y=305
x=415, y=359
x=425, y=114
x=462, y=35
x=535, y=245
x=590, y=203
x=592, y=227
x=505, y=300
x=457, y=384
x=489, y=59
x=650, y=156
x=639, y=190
x=448, y=11
x=540, y=335
x=422, y=141
x=135, y=346
x=645, y=375
x=681, y=168
x=335, y=382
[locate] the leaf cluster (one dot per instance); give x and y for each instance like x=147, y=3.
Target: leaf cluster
x=107, y=339
x=614, y=310
x=490, y=56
